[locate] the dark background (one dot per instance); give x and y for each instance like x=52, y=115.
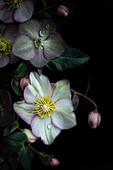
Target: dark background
x=88, y=28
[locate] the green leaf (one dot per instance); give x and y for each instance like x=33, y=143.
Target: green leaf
x=44, y=3
x=26, y=156
x=21, y=70
x=11, y=128
x=16, y=141
x=70, y=59
x=15, y=84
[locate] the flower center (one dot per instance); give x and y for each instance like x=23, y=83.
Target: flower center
x=5, y=46
x=14, y=3
x=38, y=43
x=45, y=107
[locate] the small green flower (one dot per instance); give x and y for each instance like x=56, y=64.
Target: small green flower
x=38, y=42
x=46, y=108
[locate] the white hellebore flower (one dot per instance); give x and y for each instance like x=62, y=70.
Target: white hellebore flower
x=46, y=108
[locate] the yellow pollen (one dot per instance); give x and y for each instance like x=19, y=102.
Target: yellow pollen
x=5, y=47
x=14, y=3
x=45, y=107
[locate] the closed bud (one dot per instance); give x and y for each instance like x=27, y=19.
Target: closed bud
x=24, y=82
x=54, y=162
x=63, y=10
x=94, y=119
x=30, y=136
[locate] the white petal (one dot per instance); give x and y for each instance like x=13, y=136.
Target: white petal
x=64, y=118
x=41, y=83
x=43, y=128
x=24, y=110
x=61, y=89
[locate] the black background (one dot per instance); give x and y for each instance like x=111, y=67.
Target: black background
x=88, y=28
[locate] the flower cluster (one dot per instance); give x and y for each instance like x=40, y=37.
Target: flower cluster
x=30, y=43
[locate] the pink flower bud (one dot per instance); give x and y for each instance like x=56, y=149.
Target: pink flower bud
x=63, y=10
x=94, y=119
x=54, y=162
x=24, y=82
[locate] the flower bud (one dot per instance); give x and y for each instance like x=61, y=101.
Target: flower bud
x=30, y=136
x=54, y=162
x=63, y=10
x=94, y=119
x=24, y=82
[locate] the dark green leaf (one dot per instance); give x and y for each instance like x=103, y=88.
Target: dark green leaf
x=15, y=84
x=21, y=70
x=11, y=128
x=6, y=110
x=16, y=141
x=26, y=156
x=44, y=3
x=70, y=59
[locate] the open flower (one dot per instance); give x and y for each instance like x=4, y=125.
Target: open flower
x=47, y=108
x=38, y=42
x=7, y=37
x=16, y=10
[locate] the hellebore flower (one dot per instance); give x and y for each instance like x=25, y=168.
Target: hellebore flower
x=7, y=37
x=38, y=42
x=16, y=10
x=46, y=108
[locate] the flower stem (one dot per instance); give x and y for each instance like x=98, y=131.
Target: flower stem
x=80, y=94
x=35, y=150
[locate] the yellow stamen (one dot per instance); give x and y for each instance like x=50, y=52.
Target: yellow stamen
x=5, y=46
x=45, y=107
x=14, y=3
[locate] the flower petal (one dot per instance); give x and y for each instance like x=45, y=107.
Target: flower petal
x=24, y=110
x=23, y=47
x=54, y=46
x=64, y=118
x=31, y=94
x=42, y=84
x=24, y=12
x=12, y=58
x=48, y=27
x=30, y=28
x=39, y=60
x=61, y=89
x=6, y=15
x=11, y=32
x=43, y=128
x=4, y=60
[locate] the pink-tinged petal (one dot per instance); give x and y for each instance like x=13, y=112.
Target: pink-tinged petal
x=61, y=89
x=6, y=15
x=39, y=60
x=64, y=118
x=24, y=110
x=42, y=84
x=31, y=94
x=2, y=4
x=23, y=47
x=25, y=11
x=30, y=28
x=12, y=58
x=11, y=32
x=44, y=129
x=54, y=46
x=48, y=27
x=4, y=60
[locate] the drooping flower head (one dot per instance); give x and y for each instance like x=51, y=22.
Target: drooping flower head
x=7, y=37
x=46, y=108
x=16, y=10
x=38, y=42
